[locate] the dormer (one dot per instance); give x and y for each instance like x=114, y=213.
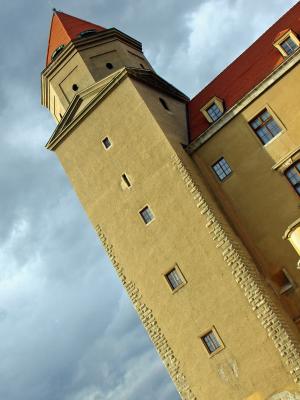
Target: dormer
x=286, y=42
x=213, y=110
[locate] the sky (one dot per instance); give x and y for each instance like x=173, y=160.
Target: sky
x=67, y=328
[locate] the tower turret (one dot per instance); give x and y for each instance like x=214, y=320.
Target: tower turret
x=81, y=53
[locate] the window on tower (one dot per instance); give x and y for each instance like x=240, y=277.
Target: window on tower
x=164, y=104
x=57, y=51
x=86, y=33
x=212, y=342
x=146, y=215
x=126, y=181
x=175, y=279
x=106, y=143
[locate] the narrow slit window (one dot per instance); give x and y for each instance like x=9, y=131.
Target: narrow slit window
x=126, y=180
x=106, y=143
x=147, y=215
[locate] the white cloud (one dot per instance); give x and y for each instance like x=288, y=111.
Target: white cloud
x=217, y=32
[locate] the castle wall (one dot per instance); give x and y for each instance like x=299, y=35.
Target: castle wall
x=258, y=193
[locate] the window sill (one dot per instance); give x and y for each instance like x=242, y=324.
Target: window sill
x=274, y=138
x=216, y=352
x=173, y=291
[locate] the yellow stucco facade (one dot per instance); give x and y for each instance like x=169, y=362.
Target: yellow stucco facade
x=224, y=239
x=257, y=191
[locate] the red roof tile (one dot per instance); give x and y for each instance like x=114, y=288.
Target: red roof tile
x=247, y=71
x=65, y=28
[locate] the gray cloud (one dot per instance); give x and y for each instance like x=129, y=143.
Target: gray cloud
x=67, y=329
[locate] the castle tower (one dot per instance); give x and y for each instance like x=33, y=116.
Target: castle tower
x=187, y=260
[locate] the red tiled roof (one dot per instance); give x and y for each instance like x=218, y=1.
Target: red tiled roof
x=65, y=28
x=247, y=71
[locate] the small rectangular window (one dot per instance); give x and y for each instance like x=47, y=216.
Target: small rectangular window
x=212, y=342
x=175, y=278
x=214, y=112
x=265, y=127
x=222, y=169
x=146, y=215
x=106, y=143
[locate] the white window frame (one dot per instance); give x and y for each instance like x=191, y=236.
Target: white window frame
x=218, y=102
x=282, y=38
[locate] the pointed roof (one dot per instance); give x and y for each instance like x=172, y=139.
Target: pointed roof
x=65, y=28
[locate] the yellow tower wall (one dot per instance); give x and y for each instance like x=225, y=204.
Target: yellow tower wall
x=189, y=230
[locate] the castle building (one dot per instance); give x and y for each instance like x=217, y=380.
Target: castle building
x=196, y=201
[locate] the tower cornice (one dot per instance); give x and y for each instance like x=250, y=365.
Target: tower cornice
x=79, y=45
x=85, y=43
x=85, y=101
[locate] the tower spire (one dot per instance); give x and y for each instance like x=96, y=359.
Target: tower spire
x=65, y=28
